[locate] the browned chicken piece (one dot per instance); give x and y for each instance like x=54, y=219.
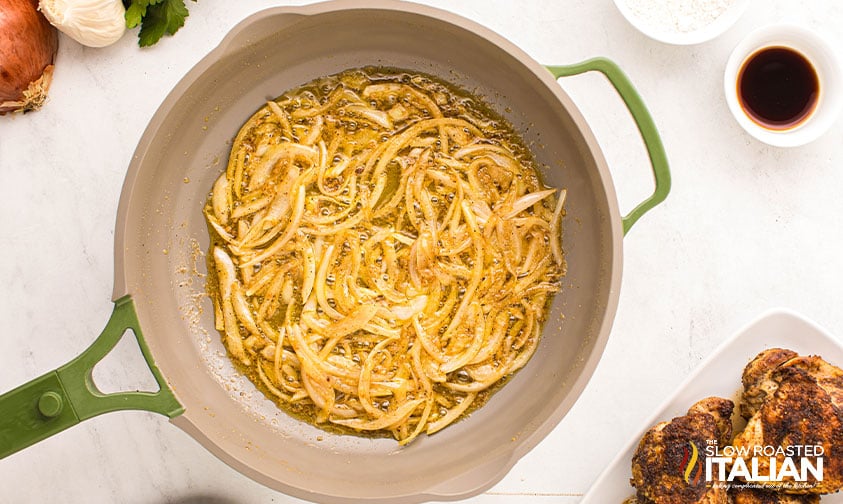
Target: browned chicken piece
x=721, y=410
x=757, y=384
x=742, y=495
x=659, y=464
x=802, y=406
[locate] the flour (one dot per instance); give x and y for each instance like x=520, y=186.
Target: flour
x=678, y=16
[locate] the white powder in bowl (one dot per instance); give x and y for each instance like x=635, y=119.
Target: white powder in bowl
x=678, y=16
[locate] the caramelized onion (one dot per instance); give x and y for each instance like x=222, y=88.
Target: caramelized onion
x=28, y=46
x=384, y=253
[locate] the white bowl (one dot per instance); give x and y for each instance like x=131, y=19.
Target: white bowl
x=680, y=28
x=822, y=57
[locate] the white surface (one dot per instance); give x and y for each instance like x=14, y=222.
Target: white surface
x=720, y=375
x=747, y=227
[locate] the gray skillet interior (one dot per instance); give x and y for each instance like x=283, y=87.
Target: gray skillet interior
x=161, y=235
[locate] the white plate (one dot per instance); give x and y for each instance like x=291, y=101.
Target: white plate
x=720, y=375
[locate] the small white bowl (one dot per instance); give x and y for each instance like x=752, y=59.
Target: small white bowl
x=822, y=58
x=679, y=28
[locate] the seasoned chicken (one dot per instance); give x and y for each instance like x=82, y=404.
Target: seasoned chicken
x=721, y=410
x=794, y=401
x=757, y=383
x=668, y=465
x=742, y=495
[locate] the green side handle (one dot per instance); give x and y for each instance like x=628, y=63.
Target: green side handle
x=64, y=397
x=644, y=122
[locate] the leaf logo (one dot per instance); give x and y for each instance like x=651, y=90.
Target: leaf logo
x=691, y=467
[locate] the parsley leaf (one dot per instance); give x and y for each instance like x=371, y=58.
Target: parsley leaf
x=134, y=14
x=156, y=18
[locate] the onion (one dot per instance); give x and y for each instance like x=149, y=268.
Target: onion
x=28, y=46
x=398, y=262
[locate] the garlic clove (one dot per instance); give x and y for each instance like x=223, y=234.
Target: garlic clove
x=93, y=23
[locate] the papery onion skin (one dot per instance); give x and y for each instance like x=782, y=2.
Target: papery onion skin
x=28, y=47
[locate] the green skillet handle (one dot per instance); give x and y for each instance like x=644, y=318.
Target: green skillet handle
x=64, y=397
x=643, y=120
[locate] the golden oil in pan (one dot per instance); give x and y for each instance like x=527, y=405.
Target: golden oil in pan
x=453, y=102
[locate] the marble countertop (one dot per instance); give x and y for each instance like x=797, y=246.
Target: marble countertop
x=746, y=228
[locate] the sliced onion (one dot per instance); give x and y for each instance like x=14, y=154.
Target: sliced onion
x=355, y=321
x=555, y=227
x=383, y=422
x=452, y=414
x=410, y=310
x=393, y=260
x=526, y=201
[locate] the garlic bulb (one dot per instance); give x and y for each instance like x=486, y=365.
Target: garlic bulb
x=94, y=23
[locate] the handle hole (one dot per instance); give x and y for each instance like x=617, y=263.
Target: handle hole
x=618, y=136
x=124, y=369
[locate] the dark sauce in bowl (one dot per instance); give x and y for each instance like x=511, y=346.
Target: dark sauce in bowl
x=778, y=88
